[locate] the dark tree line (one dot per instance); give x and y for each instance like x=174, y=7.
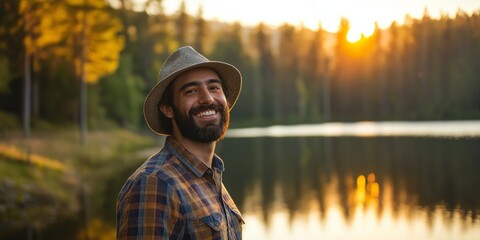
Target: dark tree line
x=424, y=69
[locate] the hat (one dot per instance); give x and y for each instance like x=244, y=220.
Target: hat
x=183, y=59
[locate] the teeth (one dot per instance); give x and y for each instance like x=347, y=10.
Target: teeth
x=206, y=113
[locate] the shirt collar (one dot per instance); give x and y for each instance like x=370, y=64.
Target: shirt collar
x=192, y=162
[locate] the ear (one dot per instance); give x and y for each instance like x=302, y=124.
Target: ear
x=166, y=110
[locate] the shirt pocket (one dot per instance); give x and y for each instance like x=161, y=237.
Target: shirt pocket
x=214, y=221
x=205, y=226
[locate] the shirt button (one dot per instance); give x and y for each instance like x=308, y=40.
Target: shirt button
x=216, y=223
x=209, y=172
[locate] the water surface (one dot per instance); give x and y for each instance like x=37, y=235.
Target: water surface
x=379, y=187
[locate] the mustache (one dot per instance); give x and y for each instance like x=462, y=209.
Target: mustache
x=202, y=108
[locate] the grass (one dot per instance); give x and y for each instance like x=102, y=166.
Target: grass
x=50, y=179
x=60, y=150
x=64, y=145
x=13, y=153
x=34, y=193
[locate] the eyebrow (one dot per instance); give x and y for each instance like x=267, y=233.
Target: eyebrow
x=198, y=83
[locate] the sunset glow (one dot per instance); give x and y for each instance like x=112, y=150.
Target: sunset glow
x=310, y=13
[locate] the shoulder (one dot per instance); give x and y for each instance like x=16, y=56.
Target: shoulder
x=147, y=173
x=157, y=165
x=138, y=186
x=161, y=170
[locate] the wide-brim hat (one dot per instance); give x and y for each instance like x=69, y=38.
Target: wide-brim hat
x=183, y=59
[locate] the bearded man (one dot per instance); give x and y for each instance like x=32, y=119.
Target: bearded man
x=178, y=193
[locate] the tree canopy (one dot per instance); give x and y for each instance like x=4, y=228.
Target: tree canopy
x=424, y=69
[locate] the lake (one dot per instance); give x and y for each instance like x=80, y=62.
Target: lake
x=347, y=183
x=365, y=180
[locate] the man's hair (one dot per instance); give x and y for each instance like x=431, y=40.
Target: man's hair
x=166, y=100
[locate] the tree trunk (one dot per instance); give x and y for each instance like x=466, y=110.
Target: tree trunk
x=83, y=84
x=326, y=94
x=27, y=88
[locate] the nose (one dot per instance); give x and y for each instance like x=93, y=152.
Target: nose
x=205, y=96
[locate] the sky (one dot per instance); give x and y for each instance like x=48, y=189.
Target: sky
x=362, y=14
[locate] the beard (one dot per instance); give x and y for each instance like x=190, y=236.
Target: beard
x=211, y=132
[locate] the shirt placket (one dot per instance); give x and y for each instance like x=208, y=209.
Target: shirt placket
x=217, y=176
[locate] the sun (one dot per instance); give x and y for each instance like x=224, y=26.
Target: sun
x=357, y=29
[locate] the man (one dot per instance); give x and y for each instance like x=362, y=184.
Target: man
x=178, y=193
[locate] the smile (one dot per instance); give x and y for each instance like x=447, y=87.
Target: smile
x=206, y=113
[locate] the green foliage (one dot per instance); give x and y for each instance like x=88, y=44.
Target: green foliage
x=122, y=95
x=97, y=116
x=59, y=93
x=8, y=122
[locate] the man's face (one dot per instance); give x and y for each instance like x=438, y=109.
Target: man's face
x=200, y=108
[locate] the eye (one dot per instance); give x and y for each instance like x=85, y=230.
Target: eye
x=189, y=91
x=215, y=87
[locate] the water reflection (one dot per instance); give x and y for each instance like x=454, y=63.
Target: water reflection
x=375, y=188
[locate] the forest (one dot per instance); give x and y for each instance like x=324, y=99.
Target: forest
x=86, y=63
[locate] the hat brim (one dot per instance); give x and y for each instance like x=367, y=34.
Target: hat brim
x=231, y=81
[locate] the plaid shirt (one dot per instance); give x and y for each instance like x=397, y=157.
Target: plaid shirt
x=173, y=195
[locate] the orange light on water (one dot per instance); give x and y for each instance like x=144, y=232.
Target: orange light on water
x=360, y=194
x=326, y=218
x=373, y=188
x=367, y=188
x=361, y=182
x=371, y=178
